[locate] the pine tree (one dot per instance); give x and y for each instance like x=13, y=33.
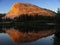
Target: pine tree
x=58, y=12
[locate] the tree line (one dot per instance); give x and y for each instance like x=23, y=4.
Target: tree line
x=27, y=18
x=35, y=18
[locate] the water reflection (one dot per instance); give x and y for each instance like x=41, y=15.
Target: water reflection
x=42, y=41
x=23, y=36
x=5, y=39
x=56, y=41
x=50, y=40
x=18, y=36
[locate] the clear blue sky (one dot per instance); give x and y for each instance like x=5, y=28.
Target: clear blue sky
x=5, y=5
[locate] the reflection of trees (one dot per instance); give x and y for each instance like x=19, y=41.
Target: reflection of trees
x=28, y=21
x=56, y=41
x=1, y=30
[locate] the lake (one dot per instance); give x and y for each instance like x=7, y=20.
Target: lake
x=6, y=40
x=14, y=36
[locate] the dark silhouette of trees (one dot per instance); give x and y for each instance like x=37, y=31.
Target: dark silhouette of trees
x=58, y=12
x=26, y=21
x=36, y=17
x=57, y=34
x=58, y=16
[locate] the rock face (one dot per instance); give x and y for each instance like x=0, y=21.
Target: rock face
x=24, y=8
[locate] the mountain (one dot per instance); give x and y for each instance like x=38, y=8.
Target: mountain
x=19, y=8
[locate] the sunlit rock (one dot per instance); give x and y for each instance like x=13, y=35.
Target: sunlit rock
x=30, y=9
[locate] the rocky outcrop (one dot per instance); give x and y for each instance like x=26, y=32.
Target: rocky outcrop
x=25, y=8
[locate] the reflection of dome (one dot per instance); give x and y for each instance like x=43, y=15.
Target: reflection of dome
x=21, y=37
x=24, y=8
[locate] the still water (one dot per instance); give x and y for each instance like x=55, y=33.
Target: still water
x=6, y=40
x=42, y=41
x=13, y=37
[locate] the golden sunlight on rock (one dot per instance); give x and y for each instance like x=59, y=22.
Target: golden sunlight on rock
x=21, y=37
x=25, y=8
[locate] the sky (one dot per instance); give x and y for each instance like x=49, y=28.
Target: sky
x=53, y=5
